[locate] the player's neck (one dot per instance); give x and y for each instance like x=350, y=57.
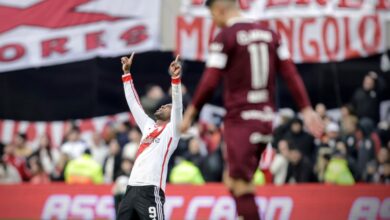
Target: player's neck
x=232, y=14
x=161, y=122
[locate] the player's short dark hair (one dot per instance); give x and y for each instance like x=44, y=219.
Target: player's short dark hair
x=209, y=3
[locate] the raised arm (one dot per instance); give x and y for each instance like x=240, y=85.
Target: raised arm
x=141, y=118
x=177, y=102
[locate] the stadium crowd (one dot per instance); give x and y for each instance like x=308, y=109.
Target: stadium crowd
x=354, y=148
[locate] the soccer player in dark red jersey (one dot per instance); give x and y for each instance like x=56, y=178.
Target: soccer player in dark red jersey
x=247, y=56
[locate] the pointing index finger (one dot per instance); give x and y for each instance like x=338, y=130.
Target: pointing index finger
x=131, y=56
x=177, y=58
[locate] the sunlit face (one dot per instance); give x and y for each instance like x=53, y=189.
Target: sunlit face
x=163, y=113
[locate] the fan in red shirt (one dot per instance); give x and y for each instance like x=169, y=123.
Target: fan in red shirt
x=247, y=56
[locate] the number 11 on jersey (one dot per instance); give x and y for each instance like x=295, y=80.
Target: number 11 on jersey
x=259, y=58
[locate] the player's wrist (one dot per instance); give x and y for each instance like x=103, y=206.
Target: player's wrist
x=126, y=77
x=175, y=79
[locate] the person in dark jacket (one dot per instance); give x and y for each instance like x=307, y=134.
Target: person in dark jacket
x=299, y=168
x=112, y=163
x=300, y=139
x=366, y=147
x=366, y=100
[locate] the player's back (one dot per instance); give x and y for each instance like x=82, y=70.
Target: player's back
x=249, y=74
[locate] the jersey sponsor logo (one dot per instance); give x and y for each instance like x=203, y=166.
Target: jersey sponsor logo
x=370, y=208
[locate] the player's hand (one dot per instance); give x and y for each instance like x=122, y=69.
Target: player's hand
x=126, y=63
x=313, y=122
x=175, y=68
x=188, y=117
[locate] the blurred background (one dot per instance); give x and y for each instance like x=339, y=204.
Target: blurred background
x=62, y=104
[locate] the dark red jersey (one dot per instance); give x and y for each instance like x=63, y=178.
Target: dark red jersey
x=247, y=56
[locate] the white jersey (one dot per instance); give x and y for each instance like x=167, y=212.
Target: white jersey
x=158, y=142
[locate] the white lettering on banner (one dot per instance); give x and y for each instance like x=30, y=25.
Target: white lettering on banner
x=224, y=208
x=62, y=206
x=83, y=207
x=57, y=206
x=171, y=203
x=279, y=205
x=83, y=29
x=80, y=207
x=370, y=208
x=384, y=212
x=198, y=202
x=332, y=31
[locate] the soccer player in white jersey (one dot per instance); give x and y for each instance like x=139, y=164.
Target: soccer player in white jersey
x=144, y=198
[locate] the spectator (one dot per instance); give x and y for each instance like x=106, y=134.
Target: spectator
x=349, y=126
x=18, y=162
x=38, y=174
x=213, y=166
x=351, y=161
x=300, y=139
x=211, y=136
x=366, y=147
x=185, y=172
x=47, y=155
x=150, y=101
x=22, y=148
x=8, y=173
x=193, y=154
x=279, y=164
x=83, y=170
x=366, y=99
x=286, y=115
x=122, y=130
x=74, y=145
x=299, y=168
x=99, y=149
x=323, y=158
x=377, y=170
x=121, y=182
x=346, y=115
x=384, y=132
x=337, y=171
x=321, y=110
x=112, y=163
x=332, y=135
x=59, y=170
x=130, y=149
x=259, y=178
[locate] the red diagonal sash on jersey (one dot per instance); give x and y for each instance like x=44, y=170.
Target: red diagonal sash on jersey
x=145, y=143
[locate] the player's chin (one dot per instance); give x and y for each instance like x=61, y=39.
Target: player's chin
x=158, y=115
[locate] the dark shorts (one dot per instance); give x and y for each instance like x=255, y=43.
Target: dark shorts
x=245, y=142
x=142, y=202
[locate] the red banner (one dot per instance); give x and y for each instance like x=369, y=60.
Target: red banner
x=212, y=201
